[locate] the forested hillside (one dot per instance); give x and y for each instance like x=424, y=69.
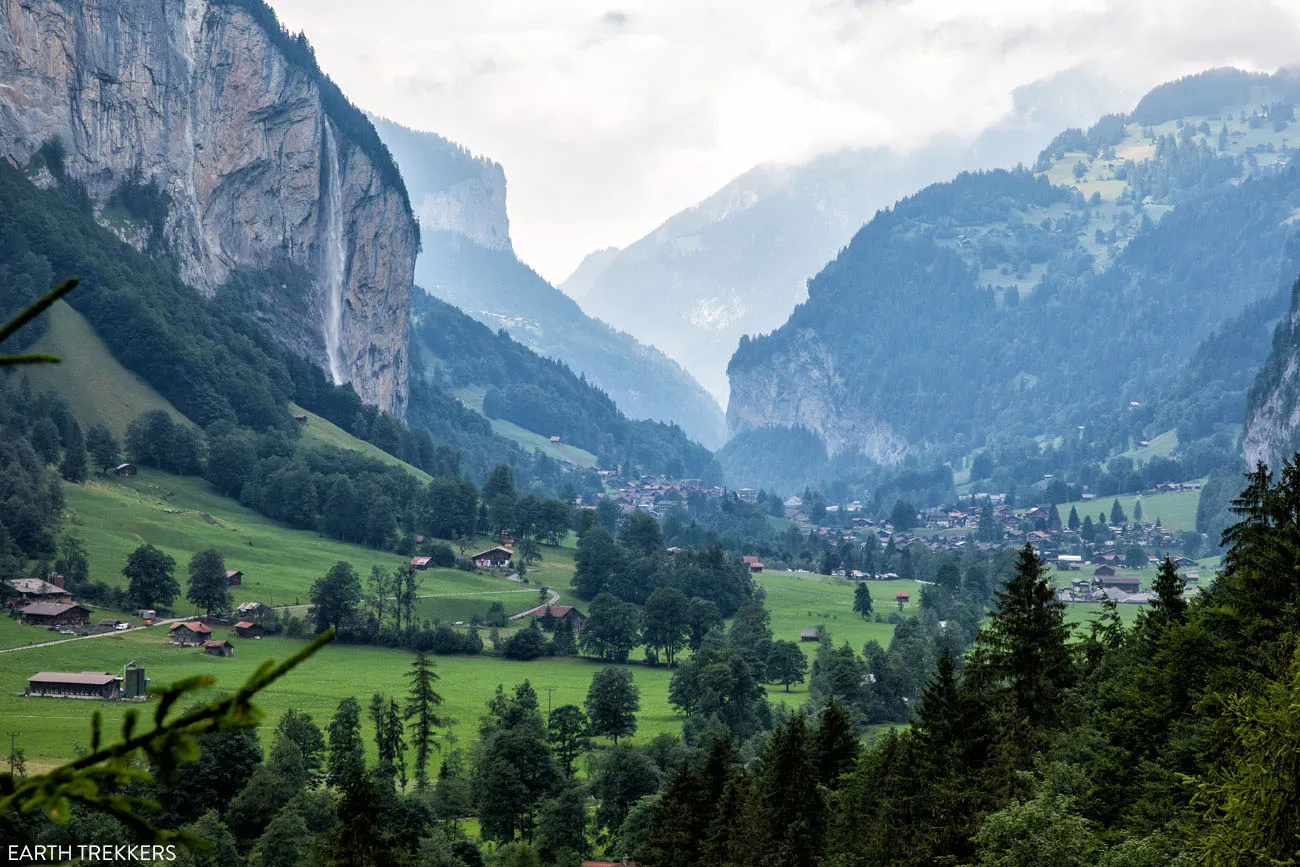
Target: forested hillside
x=1068, y=297
x=210, y=359
x=544, y=396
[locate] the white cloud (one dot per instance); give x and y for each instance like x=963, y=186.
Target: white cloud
x=610, y=119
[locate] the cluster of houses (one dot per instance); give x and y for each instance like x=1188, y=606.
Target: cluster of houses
x=656, y=495
x=1108, y=584
x=496, y=557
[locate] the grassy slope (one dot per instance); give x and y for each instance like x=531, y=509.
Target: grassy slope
x=1176, y=511
x=800, y=601
x=320, y=432
x=473, y=398
x=182, y=515
x=96, y=387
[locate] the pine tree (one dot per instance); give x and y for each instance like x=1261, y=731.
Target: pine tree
x=1021, y=653
x=786, y=816
x=73, y=465
x=862, y=600
x=1117, y=515
x=421, y=712
x=834, y=746
x=346, y=752
x=1169, y=603
x=1073, y=521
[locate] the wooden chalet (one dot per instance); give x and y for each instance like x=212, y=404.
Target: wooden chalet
x=551, y=615
x=1104, y=572
x=496, y=556
x=193, y=633
x=755, y=565
x=421, y=563
x=29, y=590
x=234, y=577
x=217, y=647
x=248, y=629
x=55, y=614
x=1127, y=583
x=810, y=635
x=125, y=470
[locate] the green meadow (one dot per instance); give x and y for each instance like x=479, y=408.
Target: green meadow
x=798, y=601
x=1176, y=511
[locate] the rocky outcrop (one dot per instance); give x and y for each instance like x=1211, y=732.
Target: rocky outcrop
x=1272, y=431
x=800, y=387
x=474, y=207
x=259, y=156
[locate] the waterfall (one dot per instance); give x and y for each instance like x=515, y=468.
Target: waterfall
x=334, y=260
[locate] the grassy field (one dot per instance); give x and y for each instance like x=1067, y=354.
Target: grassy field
x=51, y=729
x=1176, y=511
x=1160, y=447
x=181, y=515
x=800, y=601
x=96, y=387
x=320, y=432
x=473, y=398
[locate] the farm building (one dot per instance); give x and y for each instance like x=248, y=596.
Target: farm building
x=31, y=590
x=250, y=610
x=810, y=635
x=550, y=614
x=754, y=564
x=1191, y=577
x=191, y=634
x=234, y=577
x=125, y=470
x=421, y=563
x=496, y=556
x=215, y=647
x=1128, y=583
x=55, y=614
x=85, y=684
x=1104, y=572
x=555, y=439
x=248, y=629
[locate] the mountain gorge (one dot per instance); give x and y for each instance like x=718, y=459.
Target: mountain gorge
x=467, y=260
x=738, y=262
x=205, y=130
x=1036, y=301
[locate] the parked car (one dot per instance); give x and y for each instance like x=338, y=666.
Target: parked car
x=122, y=626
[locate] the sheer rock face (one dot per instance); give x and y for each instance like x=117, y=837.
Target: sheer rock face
x=800, y=387
x=197, y=97
x=1272, y=431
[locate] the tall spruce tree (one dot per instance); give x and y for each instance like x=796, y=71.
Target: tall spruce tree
x=422, y=715
x=1169, y=604
x=786, y=816
x=73, y=465
x=1021, y=653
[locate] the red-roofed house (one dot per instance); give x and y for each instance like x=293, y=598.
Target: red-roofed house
x=421, y=563
x=248, y=629
x=190, y=634
x=754, y=564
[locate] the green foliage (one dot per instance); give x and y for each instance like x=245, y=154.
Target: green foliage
x=612, y=703
x=97, y=779
x=151, y=578
x=209, y=588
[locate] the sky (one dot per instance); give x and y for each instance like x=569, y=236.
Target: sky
x=611, y=117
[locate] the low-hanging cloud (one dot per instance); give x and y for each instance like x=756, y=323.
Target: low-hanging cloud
x=608, y=121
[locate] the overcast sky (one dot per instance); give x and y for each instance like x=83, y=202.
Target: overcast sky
x=610, y=118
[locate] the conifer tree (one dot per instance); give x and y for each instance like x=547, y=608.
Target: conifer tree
x=73, y=465
x=346, y=753
x=834, y=746
x=785, y=819
x=1021, y=652
x=1073, y=521
x=862, y=600
x=1117, y=515
x=1169, y=603
x=422, y=715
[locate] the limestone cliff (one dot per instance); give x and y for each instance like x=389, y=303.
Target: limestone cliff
x=266, y=165
x=1272, y=431
x=801, y=387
